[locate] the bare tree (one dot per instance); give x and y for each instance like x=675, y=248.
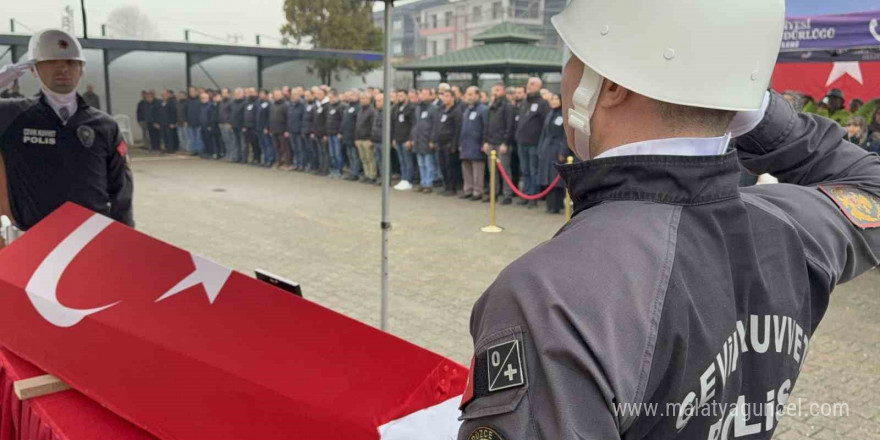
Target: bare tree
x=129, y=22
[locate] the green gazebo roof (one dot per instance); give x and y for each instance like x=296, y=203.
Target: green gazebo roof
x=506, y=32
x=506, y=48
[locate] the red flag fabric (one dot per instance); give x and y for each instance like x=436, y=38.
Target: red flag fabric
x=187, y=349
x=855, y=79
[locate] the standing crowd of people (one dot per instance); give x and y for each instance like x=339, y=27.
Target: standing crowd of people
x=442, y=137
x=861, y=119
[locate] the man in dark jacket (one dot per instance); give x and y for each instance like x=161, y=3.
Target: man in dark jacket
x=193, y=126
x=349, y=121
x=423, y=140
x=364, y=137
x=278, y=129
x=474, y=123
x=333, y=113
x=532, y=113
x=321, y=144
x=403, y=116
x=206, y=120
x=182, y=137
x=446, y=138
x=310, y=148
x=294, y=127
x=168, y=121
x=376, y=135
x=224, y=121
x=265, y=138
x=91, y=98
x=499, y=135
x=152, y=118
x=236, y=119
x=253, y=134
x=141, y=115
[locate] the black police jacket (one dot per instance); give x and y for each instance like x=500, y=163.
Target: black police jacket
x=49, y=163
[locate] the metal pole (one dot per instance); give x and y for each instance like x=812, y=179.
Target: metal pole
x=386, y=165
x=82, y=4
x=11, y=25
x=107, y=82
x=493, y=166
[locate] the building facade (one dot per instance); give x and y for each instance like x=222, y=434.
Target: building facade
x=429, y=28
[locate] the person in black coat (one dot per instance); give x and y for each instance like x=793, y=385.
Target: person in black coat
x=552, y=149
x=168, y=121
x=141, y=117
x=499, y=137
x=295, y=128
x=310, y=147
x=447, y=134
x=153, y=119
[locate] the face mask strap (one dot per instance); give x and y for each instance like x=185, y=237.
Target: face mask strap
x=583, y=105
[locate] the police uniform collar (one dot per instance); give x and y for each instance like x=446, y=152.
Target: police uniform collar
x=675, y=180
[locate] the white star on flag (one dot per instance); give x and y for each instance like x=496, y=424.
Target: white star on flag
x=842, y=68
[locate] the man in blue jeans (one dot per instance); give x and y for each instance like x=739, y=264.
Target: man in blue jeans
x=423, y=144
x=402, y=120
x=265, y=139
x=193, y=108
x=532, y=113
x=294, y=127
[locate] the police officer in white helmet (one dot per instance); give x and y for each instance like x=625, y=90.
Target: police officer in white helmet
x=55, y=148
x=674, y=305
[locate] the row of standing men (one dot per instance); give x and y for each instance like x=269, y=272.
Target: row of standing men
x=441, y=137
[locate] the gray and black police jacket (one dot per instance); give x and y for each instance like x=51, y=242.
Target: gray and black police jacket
x=674, y=302
x=49, y=163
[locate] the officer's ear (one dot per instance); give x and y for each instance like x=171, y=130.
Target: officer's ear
x=612, y=94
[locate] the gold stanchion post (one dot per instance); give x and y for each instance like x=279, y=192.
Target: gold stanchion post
x=493, y=161
x=567, y=195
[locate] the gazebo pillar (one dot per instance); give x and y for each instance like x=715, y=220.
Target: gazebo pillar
x=475, y=79
x=416, y=79
x=444, y=76
x=505, y=77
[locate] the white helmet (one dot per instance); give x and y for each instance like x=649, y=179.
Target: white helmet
x=715, y=54
x=54, y=44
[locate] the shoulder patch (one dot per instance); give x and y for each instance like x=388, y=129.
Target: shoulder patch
x=483, y=433
x=860, y=207
x=505, y=366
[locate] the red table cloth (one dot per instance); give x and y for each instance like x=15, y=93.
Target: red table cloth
x=68, y=415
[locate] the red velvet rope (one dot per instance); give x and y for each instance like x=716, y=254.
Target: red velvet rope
x=518, y=192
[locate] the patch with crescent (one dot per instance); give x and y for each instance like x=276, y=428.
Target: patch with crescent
x=860, y=207
x=86, y=135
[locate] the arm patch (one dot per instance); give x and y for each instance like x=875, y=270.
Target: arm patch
x=860, y=207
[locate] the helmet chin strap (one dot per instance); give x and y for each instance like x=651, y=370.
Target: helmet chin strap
x=583, y=105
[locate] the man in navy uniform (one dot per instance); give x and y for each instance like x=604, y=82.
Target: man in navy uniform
x=55, y=148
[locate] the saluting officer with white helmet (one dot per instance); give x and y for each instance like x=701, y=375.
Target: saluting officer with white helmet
x=674, y=305
x=54, y=147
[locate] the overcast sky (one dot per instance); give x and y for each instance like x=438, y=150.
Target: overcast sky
x=247, y=17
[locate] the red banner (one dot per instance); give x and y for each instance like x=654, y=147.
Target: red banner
x=187, y=349
x=856, y=79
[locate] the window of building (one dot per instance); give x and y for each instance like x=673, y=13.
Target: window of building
x=478, y=14
x=397, y=24
x=434, y=21
x=433, y=48
x=448, y=18
x=398, y=49
x=447, y=45
x=534, y=10
x=497, y=11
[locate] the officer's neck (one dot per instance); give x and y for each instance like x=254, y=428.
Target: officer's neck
x=636, y=122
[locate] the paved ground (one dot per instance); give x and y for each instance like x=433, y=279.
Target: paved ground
x=325, y=234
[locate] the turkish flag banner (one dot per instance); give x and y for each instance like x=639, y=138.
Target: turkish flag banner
x=187, y=349
x=856, y=79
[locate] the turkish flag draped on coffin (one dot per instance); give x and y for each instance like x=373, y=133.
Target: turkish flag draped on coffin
x=857, y=79
x=187, y=349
